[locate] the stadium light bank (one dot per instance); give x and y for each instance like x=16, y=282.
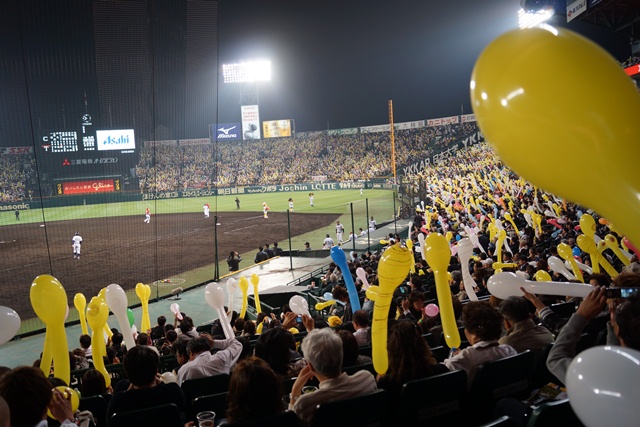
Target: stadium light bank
x=258, y=70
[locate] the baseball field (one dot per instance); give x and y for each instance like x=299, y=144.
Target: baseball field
x=178, y=247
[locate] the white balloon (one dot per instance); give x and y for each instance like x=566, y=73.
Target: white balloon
x=9, y=324
x=557, y=265
x=175, y=309
x=421, y=241
x=214, y=295
x=362, y=275
x=169, y=377
x=117, y=302
x=602, y=384
x=465, y=250
x=299, y=305
x=582, y=266
x=505, y=285
x=232, y=284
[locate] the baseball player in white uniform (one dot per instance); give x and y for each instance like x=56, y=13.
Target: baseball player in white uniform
x=328, y=243
x=339, y=231
x=76, y=242
x=311, y=199
x=290, y=204
x=206, y=210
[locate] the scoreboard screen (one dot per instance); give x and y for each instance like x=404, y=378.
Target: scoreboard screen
x=68, y=154
x=61, y=142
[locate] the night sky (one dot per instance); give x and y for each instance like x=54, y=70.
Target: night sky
x=154, y=65
x=341, y=61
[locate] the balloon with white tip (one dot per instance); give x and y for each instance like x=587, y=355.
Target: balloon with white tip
x=299, y=305
x=214, y=295
x=505, y=285
x=116, y=299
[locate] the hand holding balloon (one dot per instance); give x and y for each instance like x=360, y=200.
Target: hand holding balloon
x=438, y=256
x=175, y=309
x=299, y=305
x=392, y=270
x=214, y=295
x=338, y=256
x=49, y=301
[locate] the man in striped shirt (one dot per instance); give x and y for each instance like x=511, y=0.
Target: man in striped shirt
x=322, y=349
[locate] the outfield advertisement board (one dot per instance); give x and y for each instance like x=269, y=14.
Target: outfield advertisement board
x=84, y=187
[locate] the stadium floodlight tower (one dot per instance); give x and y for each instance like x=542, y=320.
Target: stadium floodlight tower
x=247, y=74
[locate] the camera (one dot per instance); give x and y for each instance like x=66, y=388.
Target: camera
x=622, y=292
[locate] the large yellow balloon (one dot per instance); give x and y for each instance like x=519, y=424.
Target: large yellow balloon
x=49, y=301
x=243, y=284
x=80, y=303
x=392, y=270
x=589, y=246
x=553, y=93
x=97, y=314
x=438, y=257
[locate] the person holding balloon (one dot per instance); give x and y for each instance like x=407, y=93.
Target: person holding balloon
x=204, y=364
x=29, y=395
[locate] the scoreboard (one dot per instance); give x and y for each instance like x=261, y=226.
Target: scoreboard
x=68, y=154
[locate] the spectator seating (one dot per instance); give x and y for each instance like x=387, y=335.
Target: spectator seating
x=202, y=387
x=437, y=400
x=213, y=402
x=97, y=405
x=371, y=410
x=555, y=414
x=284, y=419
x=506, y=377
x=164, y=415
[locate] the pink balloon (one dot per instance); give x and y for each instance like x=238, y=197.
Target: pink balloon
x=431, y=310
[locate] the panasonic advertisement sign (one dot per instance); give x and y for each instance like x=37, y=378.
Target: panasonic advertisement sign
x=225, y=131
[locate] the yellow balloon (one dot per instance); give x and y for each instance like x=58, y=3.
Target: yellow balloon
x=392, y=270
x=144, y=294
x=80, y=303
x=566, y=254
x=612, y=243
x=509, y=218
x=588, y=225
x=502, y=235
x=589, y=246
x=322, y=305
x=438, y=256
x=410, y=248
x=542, y=276
x=71, y=395
x=255, y=279
x=522, y=104
x=97, y=314
x=243, y=284
x=49, y=301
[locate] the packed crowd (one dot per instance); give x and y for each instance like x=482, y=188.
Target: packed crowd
x=285, y=361
x=14, y=174
x=290, y=160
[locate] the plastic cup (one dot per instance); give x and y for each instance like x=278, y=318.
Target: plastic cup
x=206, y=419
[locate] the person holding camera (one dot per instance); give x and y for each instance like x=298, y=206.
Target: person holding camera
x=233, y=261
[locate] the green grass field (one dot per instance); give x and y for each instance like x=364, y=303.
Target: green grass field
x=343, y=202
